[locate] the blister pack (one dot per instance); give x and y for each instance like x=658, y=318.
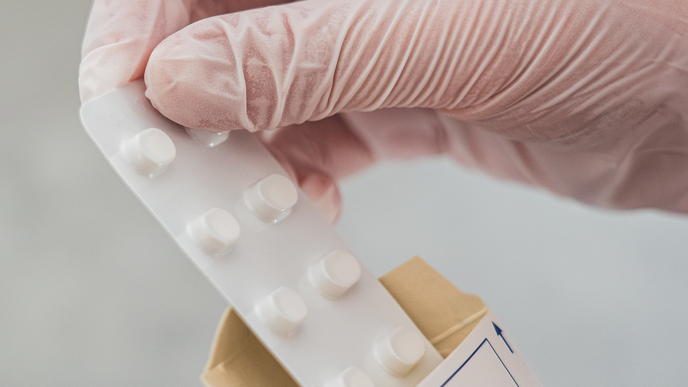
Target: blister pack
x=233, y=210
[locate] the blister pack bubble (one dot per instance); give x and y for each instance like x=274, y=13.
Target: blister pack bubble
x=231, y=208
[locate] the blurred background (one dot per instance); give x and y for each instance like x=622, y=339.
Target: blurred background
x=94, y=293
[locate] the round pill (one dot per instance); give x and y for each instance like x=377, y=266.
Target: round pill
x=272, y=198
x=283, y=310
x=215, y=232
x=149, y=152
x=335, y=274
x=351, y=377
x=400, y=351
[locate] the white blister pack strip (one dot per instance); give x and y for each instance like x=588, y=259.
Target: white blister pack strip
x=263, y=245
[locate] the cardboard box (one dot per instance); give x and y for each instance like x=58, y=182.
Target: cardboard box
x=444, y=314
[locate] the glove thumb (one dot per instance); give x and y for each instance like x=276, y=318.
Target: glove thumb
x=281, y=65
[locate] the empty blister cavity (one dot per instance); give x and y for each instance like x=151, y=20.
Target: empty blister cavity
x=207, y=138
x=399, y=352
x=214, y=232
x=282, y=311
x=272, y=198
x=149, y=152
x=333, y=275
x=351, y=377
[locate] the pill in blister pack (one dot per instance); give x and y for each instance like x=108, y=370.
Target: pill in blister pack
x=272, y=198
x=234, y=212
x=149, y=152
x=214, y=232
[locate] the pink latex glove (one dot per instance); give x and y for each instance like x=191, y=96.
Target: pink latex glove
x=587, y=98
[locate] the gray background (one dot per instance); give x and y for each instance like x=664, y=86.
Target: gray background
x=93, y=293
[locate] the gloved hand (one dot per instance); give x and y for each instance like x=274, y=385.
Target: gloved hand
x=587, y=98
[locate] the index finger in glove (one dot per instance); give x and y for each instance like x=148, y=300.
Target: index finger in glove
x=121, y=34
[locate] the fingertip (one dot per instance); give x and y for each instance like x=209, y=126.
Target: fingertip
x=189, y=84
x=319, y=187
x=103, y=70
x=119, y=38
x=86, y=84
x=324, y=193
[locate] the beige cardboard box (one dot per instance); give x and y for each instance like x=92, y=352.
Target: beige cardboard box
x=444, y=314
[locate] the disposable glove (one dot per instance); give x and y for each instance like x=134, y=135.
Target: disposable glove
x=587, y=98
